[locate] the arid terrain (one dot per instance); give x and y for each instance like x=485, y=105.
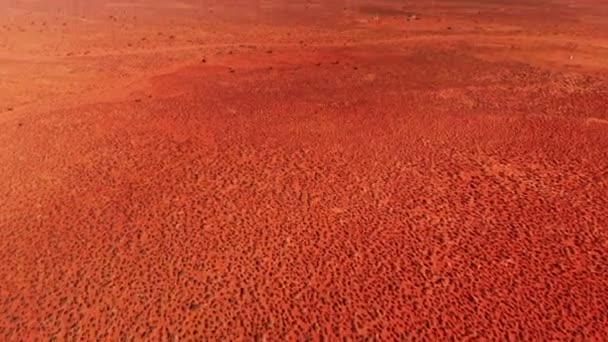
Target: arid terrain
x=278, y=170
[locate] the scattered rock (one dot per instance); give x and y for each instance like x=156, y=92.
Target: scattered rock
x=204, y=60
x=137, y=100
x=318, y=64
x=194, y=306
x=171, y=37
x=20, y=124
x=449, y=28
x=231, y=70
x=413, y=17
x=269, y=51
x=336, y=63
x=10, y=109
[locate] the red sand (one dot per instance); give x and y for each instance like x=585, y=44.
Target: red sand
x=328, y=171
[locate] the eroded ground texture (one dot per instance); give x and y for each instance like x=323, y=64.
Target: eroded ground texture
x=292, y=170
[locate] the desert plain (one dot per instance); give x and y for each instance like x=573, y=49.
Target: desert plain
x=280, y=170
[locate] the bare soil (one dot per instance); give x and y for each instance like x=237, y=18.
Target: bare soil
x=289, y=170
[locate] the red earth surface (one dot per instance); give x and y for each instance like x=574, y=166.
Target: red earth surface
x=303, y=170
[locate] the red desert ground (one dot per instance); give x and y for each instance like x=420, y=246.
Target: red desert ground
x=278, y=170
